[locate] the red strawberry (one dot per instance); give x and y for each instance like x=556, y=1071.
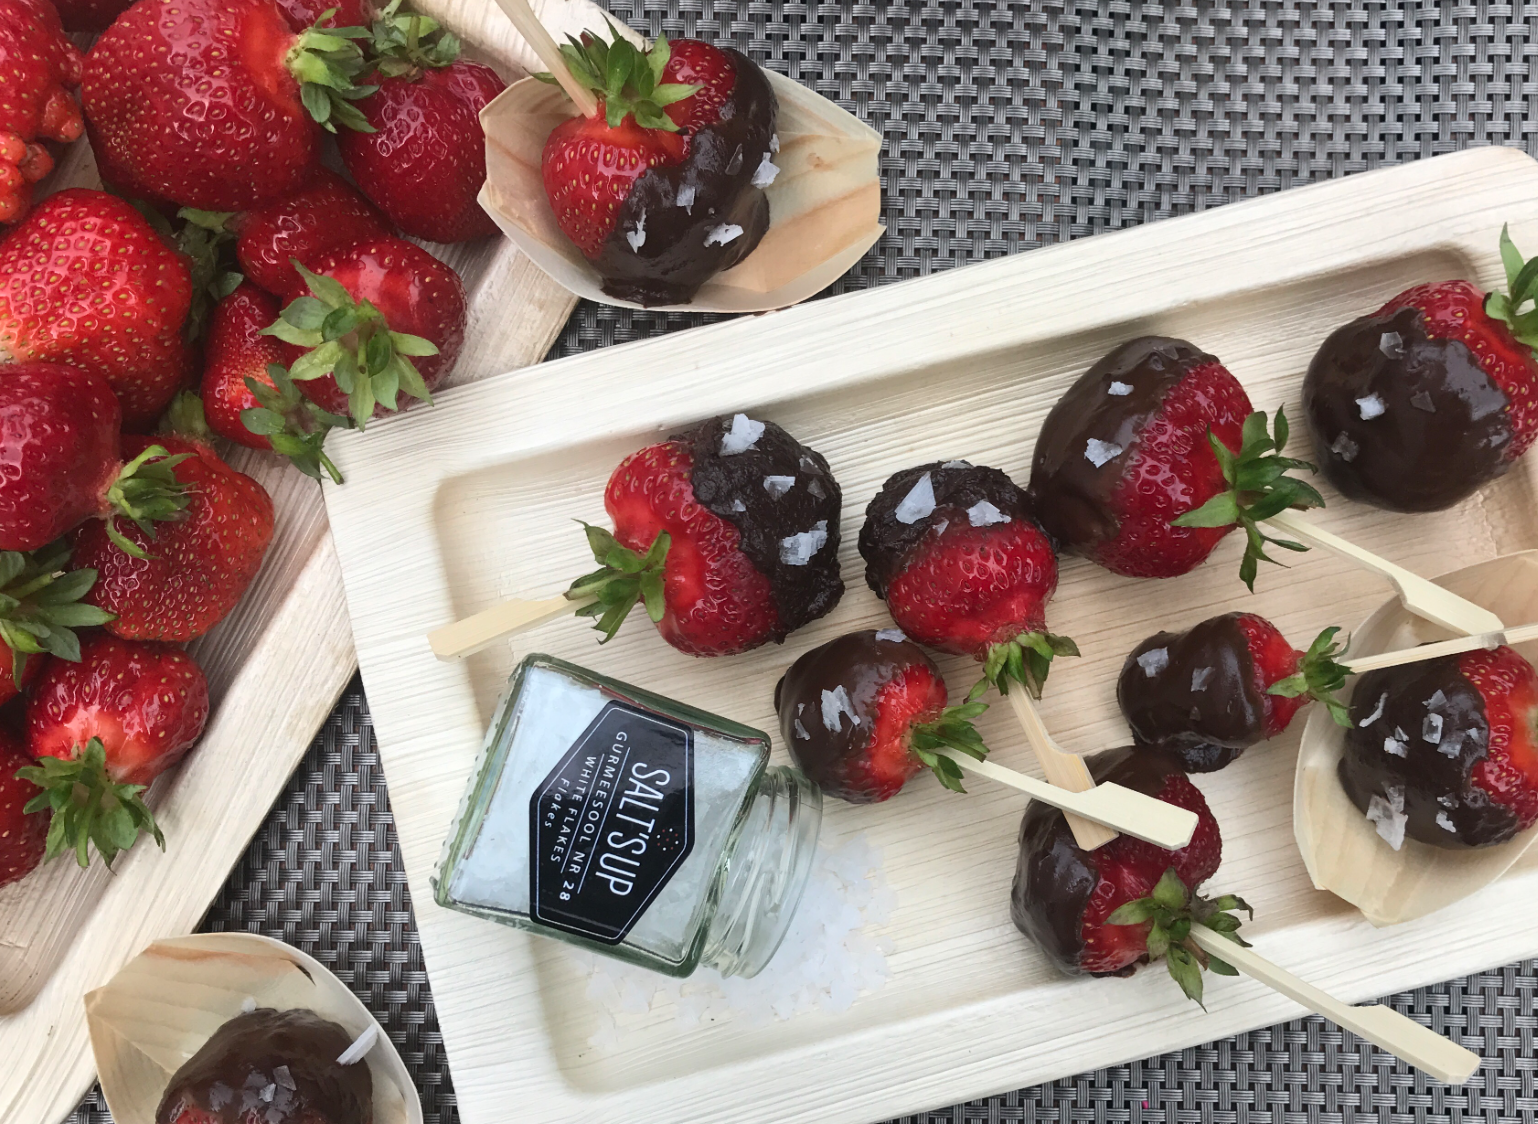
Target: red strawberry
x=402, y=314
x=195, y=568
x=1434, y=395
x=1104, y=912
x=1445, y=750
x=84, y=280
x=207, y=103
x=589, y=168
x=60, y=461
x=862, y=714
x=963, y=567
x=326, y=214
x=1207, y=694
x=23, y=835
x=728, y=533
x=37, y=63
x=426, y=161
x=1153, y=456
x=104, y=728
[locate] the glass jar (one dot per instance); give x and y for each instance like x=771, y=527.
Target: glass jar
x=609, y=817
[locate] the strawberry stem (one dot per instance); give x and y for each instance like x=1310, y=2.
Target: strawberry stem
x=1319, y=676
x=952, y=730
x=1521, y=287
x=41, y=605
x=403, y=44
x=627, y=79
x=327, y=64
x=1025, y=660
x=1169, y=912
x=294, y=426
x=146, y=491
x=625, y=577
x=88, y=806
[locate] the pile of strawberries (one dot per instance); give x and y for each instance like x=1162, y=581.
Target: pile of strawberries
x=225, y=285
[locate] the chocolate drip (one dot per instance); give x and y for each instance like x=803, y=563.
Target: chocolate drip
x=1434, y=774
x=234, y=1078
x=1054, y=877
x=886, y=541
x=1203, y=705
x=1443, y=430
x=669, y=260
x=733, y=488
x=1071, y=494
x=861, y=663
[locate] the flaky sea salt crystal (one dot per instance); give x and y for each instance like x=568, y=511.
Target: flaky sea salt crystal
x=939, y=527
x=892, y=635
x=836, y=704
x=919, y=503
x=1388, y=815
x=984, y=514
x=637, y=237
x=1422, y=401
x=1391, y=344
x=1154, y=661
x=1099, y=452
x=268, y=1092
x=957, y=464
x=738, y=506
x=777, y=486
x=1376, y=714
x=801, y=731
x=1345, y=448
x=1431, y=729
x=1437, y=700
x=1396, y=747
x=219, y=1095
x=361, y=1045
x=1447, y=800
x=248, y=1004
x=1200, y=678
x=1370, y=407
x=767, y=169
x=1445, y=822
x=685, y=197
x=774, y=142
x=722, y=234
x=734, y=165
x=814, y=487
x=1452, y=744
x=283, y=1077
x=742, y=436
x=798, y=550
x=1119, y=389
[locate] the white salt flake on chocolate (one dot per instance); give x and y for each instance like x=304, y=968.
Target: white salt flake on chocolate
x=637, y=237
x=685, y=197
x=1099, y=452
x=219, y=1095
x=1445, y=822
x=919, y=503
x=1119, y=389
x=1422, y=401
x=1388, y=815
x=1452, y=744
x=939, y=528
x=361, y=1045
x=892, y=635
x=283, y=1077
x=248, y=1004
x=798, y=550
x=957, y=464
x=1376, y=714
x=1396, y=747
x=742, y=436
x=1437, y=700
x=836, y=704
x=801, y=731
x=1447, y=800
x=1431, y=729
x=1369, y=407
x=814, y=487
x=1391, y=344
x=1200, y=678
x=1154, y=661
x=1345, y=448
x=774, y=142
x=739, y=507
x=268, y=1092
x=767, y=169
x=722, y=234
x=777, y=486
x=734, y=165
x=984, y=514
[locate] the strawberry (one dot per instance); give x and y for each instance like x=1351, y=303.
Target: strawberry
x=60, y=448
x=1445, y=750
x=352, y=329
x=663, y=187
x=193, y=570
x=862, y=714
x=1153, y=456
x=37, y=64
x=40, y=607
x=426, y=160
x=102, y=730
x=209, y=103
x=1104, y=912
x=1418, y=405
x=23, y=835
x=728, y=533
x=84, y=280
x=326, y=214
x=1207, y=694
x=247, y=395
x=963, y=567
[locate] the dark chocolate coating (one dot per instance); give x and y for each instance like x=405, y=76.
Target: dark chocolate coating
x=1072, y=497
x=862, y=665
x=885, y=541
x=226, y=1078
x=1444, y=430
x=1205, y=728
x=1433, y=781
x=721, y=483
x=1054, y=877
x=673, y=261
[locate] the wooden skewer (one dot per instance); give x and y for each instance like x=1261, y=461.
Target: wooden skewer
x=1422, y=597
x=1385, y=1027
x=1063, y=769
x=1111, y=805
x=464, y=638
x=549, y=53
x=1488, y=640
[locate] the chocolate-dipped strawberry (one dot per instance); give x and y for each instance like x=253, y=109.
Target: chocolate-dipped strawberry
x=1207, y=694
x=1104, y=912
x=663, y=187
x=1445, y=751
x=1418, y=405
x=964, y=568
x=728, y=533
x=863, y=713
x=275, y=1067
x=1153, y=456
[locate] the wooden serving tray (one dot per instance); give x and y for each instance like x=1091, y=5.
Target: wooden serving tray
x=961, y=364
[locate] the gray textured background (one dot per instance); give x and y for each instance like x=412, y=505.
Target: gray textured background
x=1011, y=126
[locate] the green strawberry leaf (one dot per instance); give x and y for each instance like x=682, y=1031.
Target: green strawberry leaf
x=1170, y=911
x=625, y=578
x=627, y=79
x=42, y=602
x=1025, y=660
x=88, y=807
x=1319, y=676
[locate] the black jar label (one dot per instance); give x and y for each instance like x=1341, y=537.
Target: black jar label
x=611, y=823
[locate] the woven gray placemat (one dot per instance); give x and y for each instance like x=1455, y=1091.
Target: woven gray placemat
x=1010, y=126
